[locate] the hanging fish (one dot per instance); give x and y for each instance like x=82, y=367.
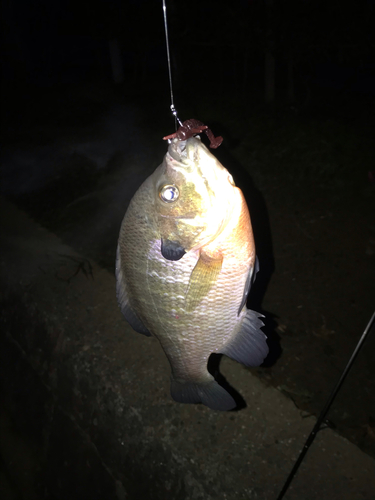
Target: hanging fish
x=185, y=264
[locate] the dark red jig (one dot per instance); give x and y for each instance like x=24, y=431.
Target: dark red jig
x=191, y=127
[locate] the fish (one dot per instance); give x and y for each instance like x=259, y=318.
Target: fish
x=185, y=263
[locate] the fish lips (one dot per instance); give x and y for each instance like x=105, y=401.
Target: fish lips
x=177, y=150
x=185, y=151
x=171, y=250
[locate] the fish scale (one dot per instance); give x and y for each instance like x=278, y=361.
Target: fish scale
x=191, y=305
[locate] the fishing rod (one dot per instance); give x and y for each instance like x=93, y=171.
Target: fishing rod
x=321, y=418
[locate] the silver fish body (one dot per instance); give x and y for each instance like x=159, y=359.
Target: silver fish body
x=185, y=263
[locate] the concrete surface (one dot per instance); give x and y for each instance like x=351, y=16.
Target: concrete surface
x=86, y=410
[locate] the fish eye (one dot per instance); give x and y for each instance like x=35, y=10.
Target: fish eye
x=169, y=193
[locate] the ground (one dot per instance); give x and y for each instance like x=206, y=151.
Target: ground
x=74, y=157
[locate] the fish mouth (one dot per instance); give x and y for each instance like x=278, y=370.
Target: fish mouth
x=177, y=150
x=185, y=151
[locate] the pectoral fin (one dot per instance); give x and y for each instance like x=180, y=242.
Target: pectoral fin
x=202, y=279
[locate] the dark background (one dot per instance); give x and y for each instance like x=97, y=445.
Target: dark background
x=290, y=85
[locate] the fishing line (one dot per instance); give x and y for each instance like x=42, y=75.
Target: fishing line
x=172, y=108
x=327, y=406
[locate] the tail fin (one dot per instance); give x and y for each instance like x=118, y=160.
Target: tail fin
x=209, y=393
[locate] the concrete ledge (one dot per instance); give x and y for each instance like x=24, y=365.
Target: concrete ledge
x=86, y=408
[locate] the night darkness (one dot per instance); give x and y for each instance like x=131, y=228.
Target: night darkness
x=85, y=408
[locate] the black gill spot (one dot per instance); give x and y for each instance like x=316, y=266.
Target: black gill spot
x=171, y=250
